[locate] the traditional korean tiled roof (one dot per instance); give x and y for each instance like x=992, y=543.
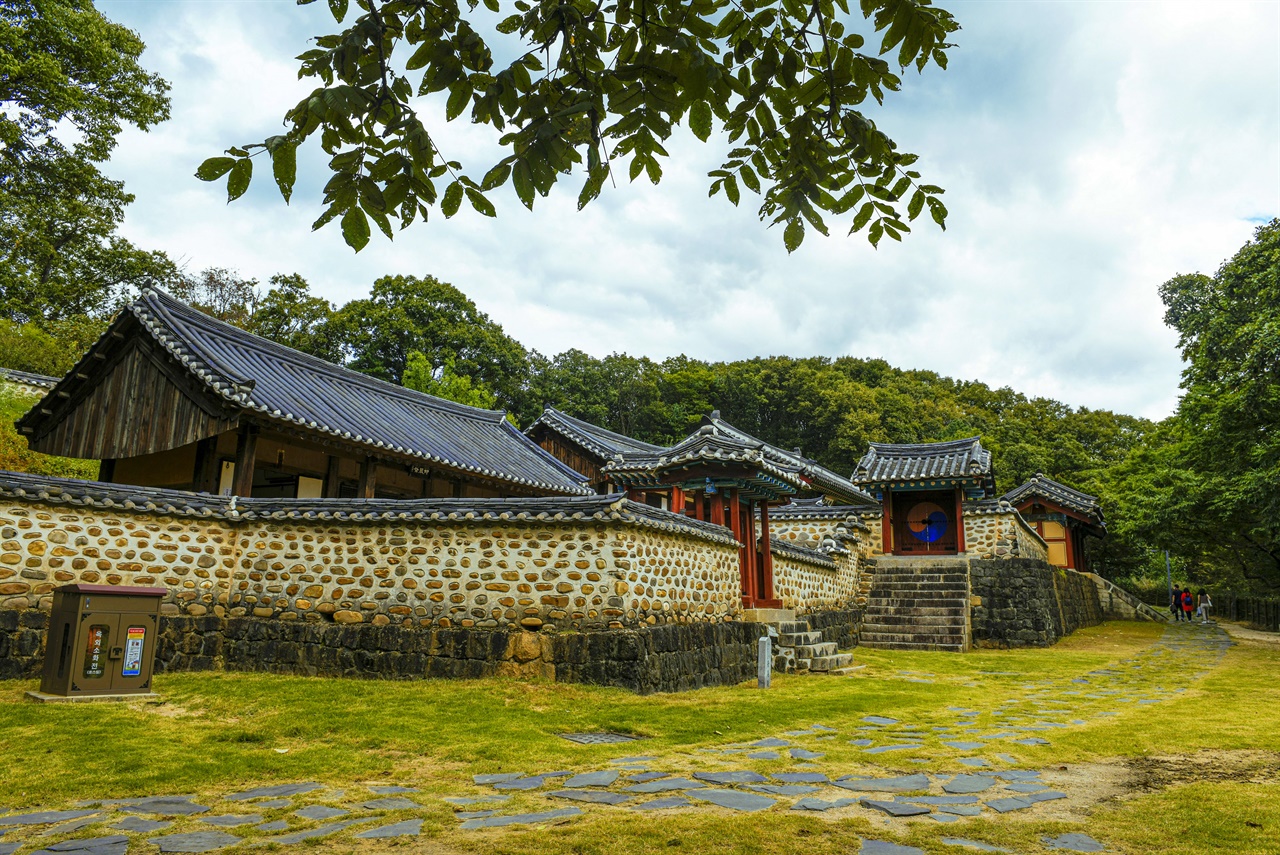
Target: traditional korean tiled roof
x=799, y=553
x=818, y=477
x=818, y=509
x=603, y=443
x=281, y=384
x=959, y=459
x=26, y=378
x=25, y=487
x=1042, y=487
x=705, y=445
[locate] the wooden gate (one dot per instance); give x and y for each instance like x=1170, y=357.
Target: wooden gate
x=924, y=523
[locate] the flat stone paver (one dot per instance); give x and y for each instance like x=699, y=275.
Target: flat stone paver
x=810, y=803
x=900, y=784
x=884, y=847
x=1025, y=787
x=968, y=784
x=520, y=784
x=275, y=791
x=740, y=777
x=391, y=790
x=884, y=749
x=592, y=779
x=770, y=742
x=939, y=800
x=319, y=812
x=496, y=778
x=646, y=776
x=72, y=826
x=231, y=820
x=801, y=777
x=879, y=720
x=895, y=808
x=10, y=848
x=133, y=823
x=463, y=801
x=665, y=785
x=195, y=841
x=407, y=828
x=391, y=803
x=664, y=804
x=273, y=803
x=965, y=746
x=961, y=810
x=784, y=789
x=599, y=797
x=320, y=831
x=1074, y=842
x=521, y=818
x=805, y=754
x=90, y=844
x=474, y=814
x=735, y=800
x=1043, y=796
x=45, y=817
x=765, y=755
x=1008, y=805
x=975, y=762
x=163, y=806
x=972, y=844
x=275, y=825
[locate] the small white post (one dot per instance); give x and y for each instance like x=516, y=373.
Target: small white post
x=764, y=663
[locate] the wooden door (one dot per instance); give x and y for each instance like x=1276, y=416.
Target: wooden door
x=1055, y=537
x=924, y=523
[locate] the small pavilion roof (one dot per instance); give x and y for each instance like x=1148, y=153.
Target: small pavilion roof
x=603, y=443
x=261, y=378
x=1044, y=488
x=957, y=460
x=26, y=378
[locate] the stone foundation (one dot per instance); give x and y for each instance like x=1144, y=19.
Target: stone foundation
x=1022, y=602
x=652, y=659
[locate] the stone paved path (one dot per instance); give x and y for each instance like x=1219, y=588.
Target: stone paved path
x=980, y=784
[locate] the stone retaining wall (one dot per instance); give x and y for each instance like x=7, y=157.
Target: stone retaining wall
x=667, y=658
x=1119, y=604
x=1020, y=602
x=843, y=626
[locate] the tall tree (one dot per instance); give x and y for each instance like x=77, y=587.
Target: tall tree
x=404, y=314
x=289, y=314
x=69, y=82
x=593, y=83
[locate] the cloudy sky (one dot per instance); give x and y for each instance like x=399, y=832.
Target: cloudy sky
x=1090, y=151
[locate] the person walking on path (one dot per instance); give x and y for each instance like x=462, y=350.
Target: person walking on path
x=1175, y=604
x=1188, y=604
x=1205, y=605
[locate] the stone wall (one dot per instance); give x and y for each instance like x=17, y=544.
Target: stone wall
x=843, y=626
x=589, y=563
x=1119, y=604
x=1001, y=532
x=810, y=581
x=1021, y=602
x=674, y=657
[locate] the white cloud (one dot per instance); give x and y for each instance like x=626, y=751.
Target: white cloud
x=1090, y=152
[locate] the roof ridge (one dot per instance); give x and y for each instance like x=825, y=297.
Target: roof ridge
x=591, y=427
x=306, y=360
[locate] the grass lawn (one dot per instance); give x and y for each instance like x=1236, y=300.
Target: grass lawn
x=1197, y=772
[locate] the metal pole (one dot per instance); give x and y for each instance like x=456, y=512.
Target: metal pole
x=1168, y=576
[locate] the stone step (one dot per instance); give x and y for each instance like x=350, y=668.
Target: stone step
x=835, y=660
x=925, y=622
x=795, y=639
x=876, y=638
x=811, y=651
x=792, y=627
x=903, y=606
x=915, y=645
x=845, y=671
x=802, y=666
x=921, y=578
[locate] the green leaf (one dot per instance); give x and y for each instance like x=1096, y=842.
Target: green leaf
x=700, y=120
x=491, y=5
x=875, y=233
x=480, y=203
x=459, y=98
x=284, y=167
x=863, y=217
x=793, y=235
x=355, y=228
x=939, y=212
x=214, y=168
x=339, y=9
x=496, y=177
x=522, y=177
x=452, y=199
x=238, y=180
x=731, y=189
x=749, y=178
x=916, y=205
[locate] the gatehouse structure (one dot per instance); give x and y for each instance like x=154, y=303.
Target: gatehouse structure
x=263, y=487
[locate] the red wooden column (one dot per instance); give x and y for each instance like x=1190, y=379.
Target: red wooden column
x=766, y=555
x=747, y=564
x=959, y=520
x=886, y=525
x=697, y=506
x=1071, y=545
x=677, y=500
x=717, y=509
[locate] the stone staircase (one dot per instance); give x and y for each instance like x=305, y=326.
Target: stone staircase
x=799, y=649
x=918, y=604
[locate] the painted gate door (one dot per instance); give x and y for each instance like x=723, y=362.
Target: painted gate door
x=924, y=523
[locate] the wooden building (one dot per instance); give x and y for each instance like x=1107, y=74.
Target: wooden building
x=169, y=397
x=585, y=447
x=1064, y=517
x=921, y=488
x=725, y=476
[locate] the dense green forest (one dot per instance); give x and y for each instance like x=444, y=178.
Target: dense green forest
x=1203, y=485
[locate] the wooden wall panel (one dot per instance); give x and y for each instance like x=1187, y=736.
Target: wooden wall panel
x=139, y=404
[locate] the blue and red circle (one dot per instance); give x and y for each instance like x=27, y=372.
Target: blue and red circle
x=927, y=522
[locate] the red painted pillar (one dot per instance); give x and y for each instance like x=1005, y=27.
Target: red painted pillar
x=749, y=592
x=1071, y=546
x=697, y=506
x=677, y=500
x=886, y=525
x=766, y=587
x=959, y=520
x=717, y=509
